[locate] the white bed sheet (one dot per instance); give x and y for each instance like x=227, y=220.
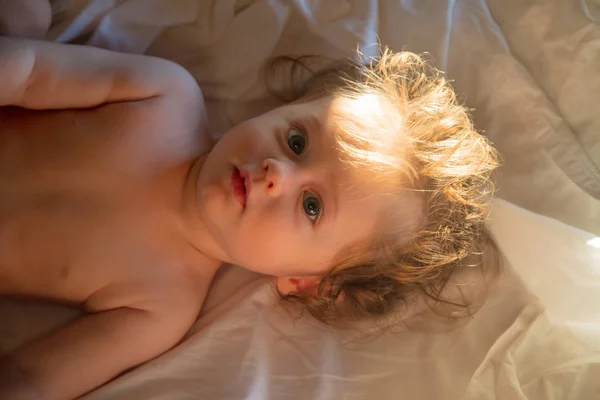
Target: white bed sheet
x=530, y=70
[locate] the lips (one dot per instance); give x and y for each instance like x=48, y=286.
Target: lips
x=241, y=186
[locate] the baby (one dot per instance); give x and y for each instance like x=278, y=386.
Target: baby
x=374, y=182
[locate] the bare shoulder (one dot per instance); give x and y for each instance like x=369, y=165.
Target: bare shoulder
x=181, y=91
x=178, y=116
x=182, y=85
x=171, y=126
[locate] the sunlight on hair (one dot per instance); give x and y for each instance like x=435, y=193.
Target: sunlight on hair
x=399, y=119
x=369, y=136
x=369, y=105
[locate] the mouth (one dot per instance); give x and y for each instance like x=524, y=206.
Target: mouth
x=240, y=183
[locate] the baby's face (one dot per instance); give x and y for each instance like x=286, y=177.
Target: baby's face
x=277, y=198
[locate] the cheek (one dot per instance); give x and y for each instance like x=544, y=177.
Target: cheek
x=267, y=243
x=265, y=234
x=275, y=248
x=242, y=136
x=253, y=139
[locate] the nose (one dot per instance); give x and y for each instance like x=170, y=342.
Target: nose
x=277, y=176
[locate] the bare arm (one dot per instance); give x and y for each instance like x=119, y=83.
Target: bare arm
x=43, y=75
x=90, y=351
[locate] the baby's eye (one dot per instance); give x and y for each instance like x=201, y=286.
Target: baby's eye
x=311, y=205
x=296, y=140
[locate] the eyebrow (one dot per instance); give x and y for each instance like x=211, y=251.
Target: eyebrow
x=314, y=125
x=331, y=215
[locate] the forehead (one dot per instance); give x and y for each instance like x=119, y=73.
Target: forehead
x=368, y=201
x=360, y=209
x=366, y=122
x=367, y=110
x=360, y=202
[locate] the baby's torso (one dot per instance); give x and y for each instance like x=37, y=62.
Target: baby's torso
x=84, y=205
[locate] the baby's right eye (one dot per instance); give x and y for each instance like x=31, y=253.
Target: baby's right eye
x=296, y=140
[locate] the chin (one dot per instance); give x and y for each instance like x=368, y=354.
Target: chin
x=258, y=267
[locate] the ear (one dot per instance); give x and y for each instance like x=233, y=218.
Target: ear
x=304, y=284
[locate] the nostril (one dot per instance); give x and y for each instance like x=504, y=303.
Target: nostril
x=265, y=165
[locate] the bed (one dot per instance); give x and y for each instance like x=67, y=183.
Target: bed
x=529, y=69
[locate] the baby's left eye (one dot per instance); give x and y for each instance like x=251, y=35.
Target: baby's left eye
x=296, y=140
x=312, y=206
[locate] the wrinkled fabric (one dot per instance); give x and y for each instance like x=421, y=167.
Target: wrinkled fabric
x=527, y=68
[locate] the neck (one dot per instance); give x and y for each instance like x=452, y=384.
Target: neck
x=192, y=225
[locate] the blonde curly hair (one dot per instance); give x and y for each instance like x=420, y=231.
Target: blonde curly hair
x=449, y=166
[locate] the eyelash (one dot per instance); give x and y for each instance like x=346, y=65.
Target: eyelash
x=299, y=126
x=303, y=130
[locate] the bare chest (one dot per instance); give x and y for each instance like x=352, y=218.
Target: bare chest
x=74, y=215
x=66, y=249
x=51, y=147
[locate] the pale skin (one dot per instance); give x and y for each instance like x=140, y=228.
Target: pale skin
x=90, y=206
x=109, y=202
